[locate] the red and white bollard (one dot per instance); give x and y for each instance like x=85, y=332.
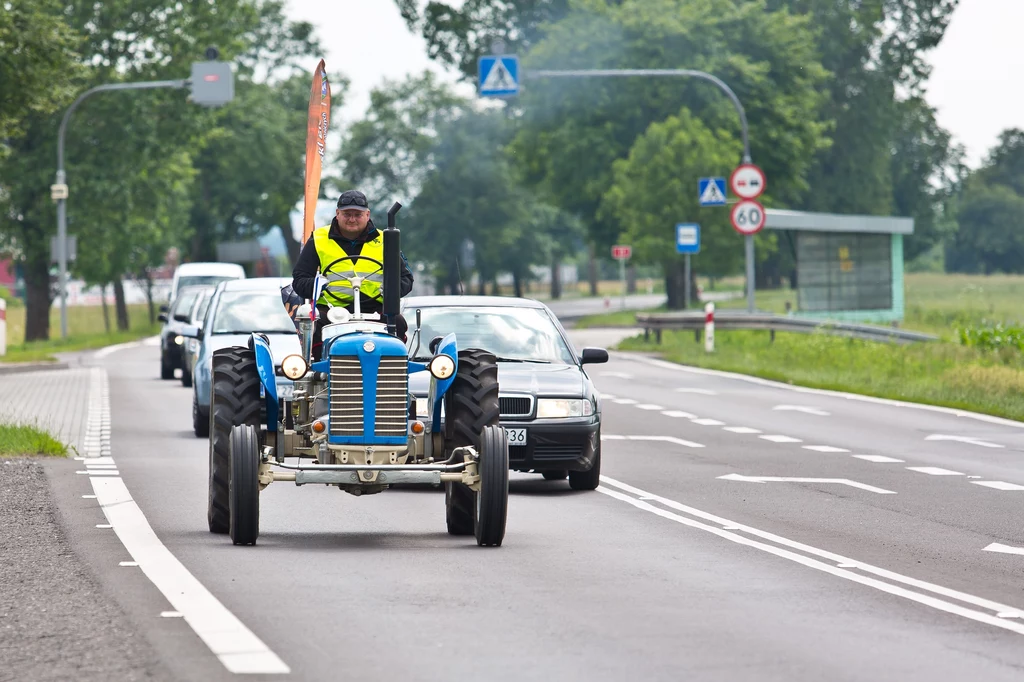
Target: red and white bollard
x=709, y=327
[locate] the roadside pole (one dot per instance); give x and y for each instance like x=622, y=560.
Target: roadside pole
x=212, y=84
x=686, y=284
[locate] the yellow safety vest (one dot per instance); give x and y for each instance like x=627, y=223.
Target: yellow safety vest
x=341, y=285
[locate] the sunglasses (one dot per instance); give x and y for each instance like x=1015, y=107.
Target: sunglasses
x=352, y=201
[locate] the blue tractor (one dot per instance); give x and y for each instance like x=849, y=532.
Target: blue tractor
x=351, y=421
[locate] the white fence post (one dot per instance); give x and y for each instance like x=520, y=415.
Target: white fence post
x=3, y=327
x=709, y=327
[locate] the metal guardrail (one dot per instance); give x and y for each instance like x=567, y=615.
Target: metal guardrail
x=734, y=319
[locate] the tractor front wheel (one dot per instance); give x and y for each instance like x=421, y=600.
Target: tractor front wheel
x=492, y=500
x=244, y=485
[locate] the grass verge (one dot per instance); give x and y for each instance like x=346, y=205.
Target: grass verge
x=86, y=330
x=21, y=440
x=938, y=373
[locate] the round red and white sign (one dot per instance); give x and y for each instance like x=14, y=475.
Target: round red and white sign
x=747, y=217
x=747, y=181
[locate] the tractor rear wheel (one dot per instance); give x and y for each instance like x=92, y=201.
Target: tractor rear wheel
x=234, y=400
x=471, y=403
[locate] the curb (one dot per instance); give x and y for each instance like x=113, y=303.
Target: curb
x=19, y=367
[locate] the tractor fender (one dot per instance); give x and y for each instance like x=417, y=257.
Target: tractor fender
x=265, y=368
x=438, y=387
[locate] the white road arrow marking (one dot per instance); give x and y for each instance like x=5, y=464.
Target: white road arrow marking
x=964, y=439
x=1004, y=549
x=789, y=479
x=801, y=408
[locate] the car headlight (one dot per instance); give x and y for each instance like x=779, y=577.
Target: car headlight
x=294, y=367
x=548, y=408
x=442, y=367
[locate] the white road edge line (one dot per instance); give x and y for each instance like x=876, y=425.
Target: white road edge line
x=237, y=647
x=664, y=364
x=831, y=568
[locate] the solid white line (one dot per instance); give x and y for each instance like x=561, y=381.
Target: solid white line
x=708, y=422
x=679, y=414
x=824, y=448
x=741, y=429
x=830, y=556
x=878, y=458
x=650, y=407
x=781, y=439
x=664, y=364
x=999, y=485
x=235, y=645
x=935, y=471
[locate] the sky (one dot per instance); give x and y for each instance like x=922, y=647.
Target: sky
x=973, y=85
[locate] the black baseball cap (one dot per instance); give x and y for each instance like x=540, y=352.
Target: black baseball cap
x=353, y=199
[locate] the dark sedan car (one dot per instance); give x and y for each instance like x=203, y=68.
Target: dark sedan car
x=549, y=407
x=171, y=340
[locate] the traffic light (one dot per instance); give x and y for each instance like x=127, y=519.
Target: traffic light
x=212, y=82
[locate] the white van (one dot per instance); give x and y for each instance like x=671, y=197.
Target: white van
x=192, y=274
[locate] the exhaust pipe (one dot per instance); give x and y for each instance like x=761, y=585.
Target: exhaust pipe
x=392, y=271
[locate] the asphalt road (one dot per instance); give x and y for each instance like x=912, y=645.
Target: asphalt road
x=679, y=567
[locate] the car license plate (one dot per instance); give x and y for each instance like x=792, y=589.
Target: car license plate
x=286, y=391
x=516, y=437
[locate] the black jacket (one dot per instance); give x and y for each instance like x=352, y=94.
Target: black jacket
x=308, y=265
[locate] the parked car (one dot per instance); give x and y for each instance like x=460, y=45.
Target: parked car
x=171, y=339
x=203, y=274
x=191, y=346
x=549, y=407
x=237, y=309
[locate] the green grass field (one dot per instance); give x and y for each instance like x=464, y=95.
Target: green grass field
x=18, y=440
x=85, y=330
x=939, y=373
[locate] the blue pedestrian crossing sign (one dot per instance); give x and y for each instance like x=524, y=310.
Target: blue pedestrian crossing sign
x=498, y=75
x=711, y=192
x=688, y=238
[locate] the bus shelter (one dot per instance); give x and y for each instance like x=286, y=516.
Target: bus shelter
x=848, y=267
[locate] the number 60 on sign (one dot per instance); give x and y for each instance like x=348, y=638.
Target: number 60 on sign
x=748, y=217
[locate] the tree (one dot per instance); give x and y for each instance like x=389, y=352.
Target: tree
x=127, y=41
x=653, y=190
x=573, y=130
x=457, y=36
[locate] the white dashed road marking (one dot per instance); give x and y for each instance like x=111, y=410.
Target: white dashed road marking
x=650, y=407
x=999, y=485
x=708, y=422
x=741, y=429
x=935, y=471
x=801, y=408
x=679, y=414
x=781, y=439
x=698, y=391
x=824, y=448
x=878, y=458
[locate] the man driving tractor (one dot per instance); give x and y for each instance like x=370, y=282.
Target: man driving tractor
x=351, y=234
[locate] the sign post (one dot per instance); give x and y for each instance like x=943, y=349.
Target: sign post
x=748, y=183
x=687, y=242
x=621, y=253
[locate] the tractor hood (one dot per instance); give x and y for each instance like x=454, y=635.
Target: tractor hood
x=515, y=377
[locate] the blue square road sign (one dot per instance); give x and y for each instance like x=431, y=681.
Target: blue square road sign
x=688, y=238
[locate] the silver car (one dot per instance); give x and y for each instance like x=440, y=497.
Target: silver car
x=237, y=309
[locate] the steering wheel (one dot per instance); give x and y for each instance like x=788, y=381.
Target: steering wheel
x=330, y=267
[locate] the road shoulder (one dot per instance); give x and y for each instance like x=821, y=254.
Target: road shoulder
x=58, y=620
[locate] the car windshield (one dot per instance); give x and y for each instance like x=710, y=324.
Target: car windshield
x=185, y=301
x=513, y=334
x=242, y=312
x=201, y=280
x=200, y=311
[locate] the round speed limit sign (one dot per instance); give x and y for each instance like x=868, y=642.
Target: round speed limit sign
x=748, y=217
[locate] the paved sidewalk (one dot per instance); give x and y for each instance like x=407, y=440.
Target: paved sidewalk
x=56, y=401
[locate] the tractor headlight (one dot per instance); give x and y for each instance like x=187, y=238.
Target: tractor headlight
x=549, y=408
x=179, y=340
x=442, y=367
x=294, y=367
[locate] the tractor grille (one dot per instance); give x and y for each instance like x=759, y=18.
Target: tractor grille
x=347, y=397
x=515, y=406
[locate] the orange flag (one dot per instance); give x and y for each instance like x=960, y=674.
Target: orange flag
x=316, y=144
